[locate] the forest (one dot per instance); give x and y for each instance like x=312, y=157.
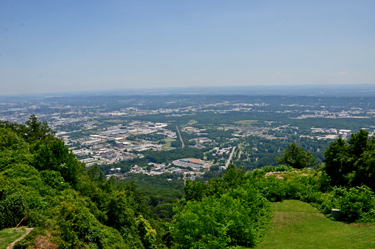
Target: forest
x=71, y=206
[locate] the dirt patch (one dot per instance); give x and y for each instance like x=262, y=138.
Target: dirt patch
x=44, y=242
x=276, y=174
x=362, y=225
x=320, y=215
x=284, y=218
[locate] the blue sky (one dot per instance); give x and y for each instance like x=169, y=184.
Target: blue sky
x=67, y=46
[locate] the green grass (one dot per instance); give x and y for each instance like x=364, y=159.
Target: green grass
x=168, y=143
x=190, y=123
x=298, y=225
x=245, y=122
x=9, y=235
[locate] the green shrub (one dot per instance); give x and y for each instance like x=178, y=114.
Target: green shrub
x=53, y=179
x=9, y=140
x=236, y=218
x=12, y=208
x=355, y=204
x=272, y=188
x=79, y=227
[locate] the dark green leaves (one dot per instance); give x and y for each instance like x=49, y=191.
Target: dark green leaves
x=12, y=208
x=353, y=163
x=296, y=157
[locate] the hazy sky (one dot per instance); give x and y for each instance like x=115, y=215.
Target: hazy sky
x=62, y=46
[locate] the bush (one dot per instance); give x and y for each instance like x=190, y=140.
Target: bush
x=12, y=208
x=79, y=228
x=273, y=189
x=236, y=218
x=54, y=179
x=355, y=204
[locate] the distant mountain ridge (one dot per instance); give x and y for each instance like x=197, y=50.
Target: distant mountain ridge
x=339, y=90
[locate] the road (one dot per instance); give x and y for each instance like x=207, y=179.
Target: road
x=230, y=157
x=118, y=155
x=182, y=141
x=116, y=158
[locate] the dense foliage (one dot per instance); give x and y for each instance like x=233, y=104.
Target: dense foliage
x=352, y=163
x=223, y=212
x=296, y=157
x=77, y=207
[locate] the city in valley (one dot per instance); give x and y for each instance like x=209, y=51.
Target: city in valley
x=192, y=136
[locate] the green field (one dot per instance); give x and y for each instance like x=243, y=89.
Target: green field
x=245, y=122
x=9, y=235
x=298, y=225
x=168, y=141
x=190, y=123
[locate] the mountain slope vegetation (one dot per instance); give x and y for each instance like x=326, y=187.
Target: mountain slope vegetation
x=76, y=207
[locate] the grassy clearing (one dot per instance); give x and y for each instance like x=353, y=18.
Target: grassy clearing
x=190, y=123
x=245, y=122
x=298, y=225
x=168, y=141
x=9, y=235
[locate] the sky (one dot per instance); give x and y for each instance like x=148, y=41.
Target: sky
x=71, y=46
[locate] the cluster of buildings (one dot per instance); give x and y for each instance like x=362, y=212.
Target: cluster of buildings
x=333, y=133
x=331, y=130
x=220, y=152
x=354, y=113
x=111, y=145
x=193, y=163
x=194, y=130
x=102, y=155
x=115, y=172
x=189, y=167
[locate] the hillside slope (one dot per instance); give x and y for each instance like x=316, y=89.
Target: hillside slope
x=298, y=225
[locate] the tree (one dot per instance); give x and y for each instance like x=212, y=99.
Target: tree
x=336, y=162
x=296, y=157
x=12, y=208
x=194, y=190
x=37, y=130
x=34, y=129
x=351, y=164
x=214, y=168
x=54, y=155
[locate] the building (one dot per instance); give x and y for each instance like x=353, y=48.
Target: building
x=136, y=169
x=191, y=162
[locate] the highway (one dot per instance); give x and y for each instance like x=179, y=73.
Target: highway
x=179, y=134
x=230, y=157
